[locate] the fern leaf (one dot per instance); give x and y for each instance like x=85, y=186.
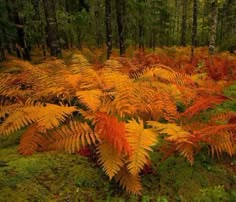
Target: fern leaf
x=112, y=131
x=90, y=98
x=131, y=183
x=181, y=139
x=141, y=140
x=52, y=115
x=72, y=137
x=110, y=159
x=47, y=117
x=32, y=141
x=202, y=104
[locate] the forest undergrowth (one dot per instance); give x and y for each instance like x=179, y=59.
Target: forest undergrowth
x=121, y=112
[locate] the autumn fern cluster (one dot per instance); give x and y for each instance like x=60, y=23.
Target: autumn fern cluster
x=120, y=109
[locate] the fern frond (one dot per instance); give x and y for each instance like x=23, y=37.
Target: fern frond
x=110, y=159
x=47, y=117
x=222, y=142
x=182, y=140
x=79, y=63
x=141, y=140
x=90, y=98
x=112, y=131
x=203, y=103
x=131, y=183
x=32, y=141
x=72, y=137
x=228, y=117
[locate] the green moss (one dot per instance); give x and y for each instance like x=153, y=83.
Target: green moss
x=60, y=177
x=212, y=194
x=13, y=139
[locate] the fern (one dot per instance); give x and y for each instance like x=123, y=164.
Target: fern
x=131, y=183
x=141, y=140
x=46, y=116
x=110, y=159
x=202, y=104
x=90, y=98
x=113, y=132
x=32, y=141
x=72, y=137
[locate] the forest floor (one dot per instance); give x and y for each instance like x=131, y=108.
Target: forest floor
x=62, y=177
x=53, y=176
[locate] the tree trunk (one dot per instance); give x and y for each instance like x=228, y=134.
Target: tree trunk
x=40, y=29
x=213, y=26
x=120, y=12
x=141, y=26
x=108, y=27
x=52, y=29
x=97, y=15
x=184, y=23
x=21, y=46
x=194, y=27
x=2, y=54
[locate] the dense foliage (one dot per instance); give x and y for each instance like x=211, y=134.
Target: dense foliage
x=123, y=109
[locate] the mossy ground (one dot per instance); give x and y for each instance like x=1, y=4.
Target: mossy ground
x=60, y=177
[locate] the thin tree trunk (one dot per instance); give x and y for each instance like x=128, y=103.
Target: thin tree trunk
x=52, y=29
x=120, y=12
x=37, y=18
x=184, y=23
x=97, y=14
x=108, y=27
x=194, y=27
x=21, y=38
x=213, y=26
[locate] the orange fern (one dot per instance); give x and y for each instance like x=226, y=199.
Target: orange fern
x=203, y=103
x=112, y=131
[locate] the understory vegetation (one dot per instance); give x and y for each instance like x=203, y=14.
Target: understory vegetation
x=155, y=123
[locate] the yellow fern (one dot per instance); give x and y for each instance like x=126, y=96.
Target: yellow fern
x=47, y=117
x=110, y=159
x=90, y=98
x=72, y=137
x=131, y=183
x=141, y=140
x=181, y=138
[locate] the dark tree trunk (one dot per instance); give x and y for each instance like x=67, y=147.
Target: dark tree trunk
x=121, y=14
x=141, y=28
x=2, y=54
x=141, y=36
x=108, y=27
x=213, y=26
x=184, y=23
x=21, y=46
x=97, y=14
x=52, y=29
x=40, y=29
x=194, y=27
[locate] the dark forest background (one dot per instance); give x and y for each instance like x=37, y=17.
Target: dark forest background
x=63, y=24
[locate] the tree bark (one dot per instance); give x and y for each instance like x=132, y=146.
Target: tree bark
x=213, y=26
x=184, y=23
x=40, y=29
x=194, y=27
x=121, y=12
x=21, y=46
x=108, y=27
x=52, y=29
x=98, y=31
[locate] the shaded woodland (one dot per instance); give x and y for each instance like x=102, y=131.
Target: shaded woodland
x=121, y=100
x=56, y=25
